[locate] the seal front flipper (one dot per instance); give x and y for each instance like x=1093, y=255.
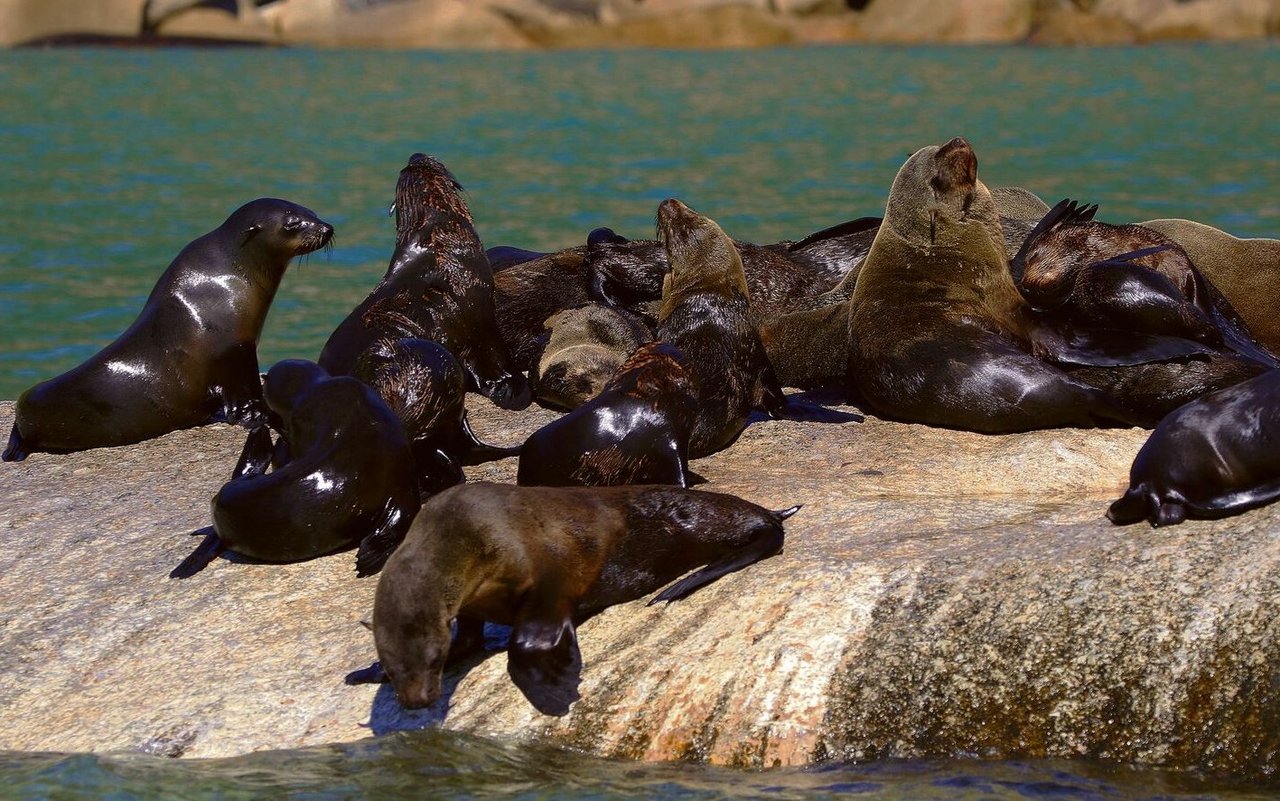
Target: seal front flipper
x=16, y=450
x=374, y=674
x=1092, y=347
x=767, y=543
x=543, y=657
x=238, y=385
x=256, y=455
x=205, y=552
x=437, y=471
x=478, y=452
x=809, y=412
x=378, y=545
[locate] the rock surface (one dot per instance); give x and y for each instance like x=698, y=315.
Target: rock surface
x=941, y=593
x=518, y=24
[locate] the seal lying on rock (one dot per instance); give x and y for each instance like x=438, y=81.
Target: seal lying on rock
x=543, y=560
x=525, y=295
x=1215, y=457
x=635, y=431
x=938, y=332
x=585, y=347
x=191, y=356
x=350, y=478
x=438, y=275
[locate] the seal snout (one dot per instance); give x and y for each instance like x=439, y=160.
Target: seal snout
x=957, y=166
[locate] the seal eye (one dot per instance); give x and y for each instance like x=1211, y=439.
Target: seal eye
x=292, y=223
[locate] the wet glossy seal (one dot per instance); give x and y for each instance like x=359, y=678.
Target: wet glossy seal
x=636, y=431
x=938, y=332
x=350, y=478
x=543, y=560
x=440, y=277
x=706, y=313
x=191, y=355
x=1215, y=457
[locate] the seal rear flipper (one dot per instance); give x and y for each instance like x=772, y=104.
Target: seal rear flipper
x=544, y=662
x=1067, y=212
x=374, y=674
x=256, y=454
x=378, y=546
x=16, y=451
x=809, y=412
x=768, y=543
x=205, y=552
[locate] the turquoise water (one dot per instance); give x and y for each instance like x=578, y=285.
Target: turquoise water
x=113, y=160
x=443, y=767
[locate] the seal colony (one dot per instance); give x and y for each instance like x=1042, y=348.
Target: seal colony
x=957, y=305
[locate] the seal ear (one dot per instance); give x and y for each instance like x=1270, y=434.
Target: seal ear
x=249, y=233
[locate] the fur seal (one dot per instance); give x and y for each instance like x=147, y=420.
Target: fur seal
x=1127, y=278
x=543, y=560
x=525, y=295
x=635, y=431
x=191, y=355
x=938, y=332
x=1214, y=457
x=425, y=387
x=440, y=278
x=585, y=347
x=706, y=313
x=1246, y=271
x=350, y=478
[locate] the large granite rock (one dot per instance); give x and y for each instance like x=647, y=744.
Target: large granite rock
x=25, y=20
x=953, y=21
x=941, y=593
x=421, y=23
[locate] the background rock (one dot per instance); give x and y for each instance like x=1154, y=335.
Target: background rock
x=957, y=21
x=24, y=20
x=941, y=593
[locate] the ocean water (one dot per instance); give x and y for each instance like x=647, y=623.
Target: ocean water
x=113, y=160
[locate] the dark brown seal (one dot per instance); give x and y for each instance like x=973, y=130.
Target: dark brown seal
x=440, y=277
x=191, y=356
x=636, y=431
x=706, y=313
x=938, y=332
x=425, y=387
x=543, y=560
x=349, y=480
x=1215, y=457
x=526, y=294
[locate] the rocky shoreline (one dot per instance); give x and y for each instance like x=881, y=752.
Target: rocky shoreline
x=941, y=593
x=552, y=24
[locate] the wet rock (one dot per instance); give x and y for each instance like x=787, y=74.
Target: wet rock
x=941, y=593
x=423, y=23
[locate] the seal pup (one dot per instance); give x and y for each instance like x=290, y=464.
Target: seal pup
x=938, y=332
x=1126, y=278
x=440, y=270
x=1214, y=457
x=585, y=347
x=543, y=560
x=636, y=431
x=190, y=357
x=350, y=478
x=706, y=313
x=1246, y=271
